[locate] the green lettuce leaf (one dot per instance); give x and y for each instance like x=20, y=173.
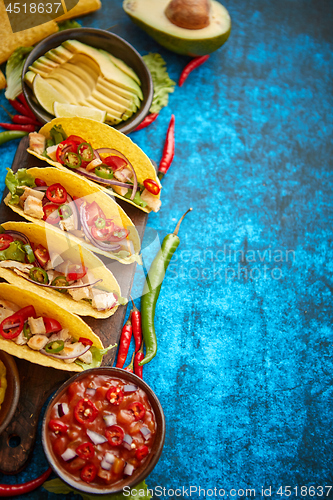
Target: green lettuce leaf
x=97, y=356
x=68, y=25
x=163, y=85
x=16, y=182
x=14, y=69
x=59, y=487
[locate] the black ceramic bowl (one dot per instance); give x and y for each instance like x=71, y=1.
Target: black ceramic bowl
x=141, y=472
x=102, y=40
x=12, y=395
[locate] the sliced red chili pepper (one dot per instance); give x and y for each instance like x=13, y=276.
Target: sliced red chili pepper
x=151, y=186
x=142, y=452
x=85, y=341
x=11, y=327
x=138, y=410
x=115, y=162
x=40, y=182
x=51, y=214
x=42, y=255
x=93, y=212
x=115, y=435
x=110, y=232
x=76, y=272
x=76, y=139
x=51, y=325
x=70, y=146
x=56, y=194
x=115, y=395
x=85, y=450
x=88, y=473
x=100, y=234
x=85, y=411
x=26, y=312
x=5, y=241
x=58, y=427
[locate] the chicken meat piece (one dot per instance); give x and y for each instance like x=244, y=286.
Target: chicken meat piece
x=37, y=326
x=38, y=342
x=37, y=142
x=34, y=207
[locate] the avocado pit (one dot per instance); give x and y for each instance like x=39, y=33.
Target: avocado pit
x=189, y=14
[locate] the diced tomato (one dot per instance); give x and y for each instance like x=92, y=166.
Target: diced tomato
x=115, y=162
x=26, y=312
x=51, y=213
x=85, y=341
x=76, y=464
x=115, y=395
x=5, y=241
x=93, y=211
x=85, y=411
x=118, y=465
x=76, y=272
x=69, y=144
x=142, y=452
x=40, y=182
x=85, y=450
x=60, y=445
x=88, y=473
x=138, y=410
x=51, y=325
x=58, y=427
x=115, y=435
x=42, y=255
x=151, y=186
x=76, y=139
x=73, y=390
x=56, y=193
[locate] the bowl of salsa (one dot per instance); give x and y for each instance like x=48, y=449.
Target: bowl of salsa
x=104, y=429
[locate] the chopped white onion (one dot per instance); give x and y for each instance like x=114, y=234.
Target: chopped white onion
x=128, y=469
x=68, y=455
x=63, y=409
x=109, y=457
x=130, y=388
x=95, y=437
x=145, y=432
x=106, y=465
x=110, y=419
x=90, y=391
x=127, y=441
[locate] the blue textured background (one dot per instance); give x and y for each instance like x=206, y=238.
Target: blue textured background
x=244, y=367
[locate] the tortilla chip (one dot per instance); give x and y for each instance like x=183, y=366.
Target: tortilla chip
x=100, y=135
x=3, y=82
x=11, y=41
x=60, y=243
x=81, y=188
x=76, y=326
x=82, y=8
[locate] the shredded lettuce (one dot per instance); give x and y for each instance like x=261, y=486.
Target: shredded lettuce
x=163, y=85
x=14, y=69
x=140, y=491
x=97, y=356
x=68, y=25
x=15, y=183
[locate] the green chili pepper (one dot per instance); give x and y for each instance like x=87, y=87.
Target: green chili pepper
x=72, y=160
x=26, y=331
x=85, y=151
x=60, y=281
x=151, y=290
x=104, y=172
x=55, y=346
x=100, y=223
x=38, y=274
x=30, y=254
x=64, y=211
x=9, y=135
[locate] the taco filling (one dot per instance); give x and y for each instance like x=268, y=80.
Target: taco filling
x=75, y=215
x=35, y=264
x=44, y=334
x=106, y=166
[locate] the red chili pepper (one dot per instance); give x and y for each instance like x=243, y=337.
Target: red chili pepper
x=14, y=126
x=40, y=182
x=168, y=150
x=152, y=186
x=88, y=473
x=12, y=490
x=138, y=358
x=85, y=341
x=11, y=327
x=58, y=427
x=56, y=193
x=21, y=119
x=125, y=340
x=22, y=109
x=136, y=326
x=138, y=410
x=130, y=367
x=114, y=435
x=28, y=111
x=5, y=241
x=85, y=411
x=85, y=451
x=142, y=452
x=146, y=121
x=115, y=395
x=195, y=63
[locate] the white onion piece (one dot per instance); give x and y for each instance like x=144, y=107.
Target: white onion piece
x=90, y=391
x=110, y=419
x=95, y=437
x=128, y=469
x=68, y=455
x=106, y=465
x=130, y=388
x=63, y=409
x=145, y=432
x=127, y=441
x=109, y=457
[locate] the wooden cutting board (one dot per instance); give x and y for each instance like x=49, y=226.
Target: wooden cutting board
x=38, y=382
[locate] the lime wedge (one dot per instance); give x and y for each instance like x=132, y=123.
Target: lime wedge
x=45, y=94
x=62, y=110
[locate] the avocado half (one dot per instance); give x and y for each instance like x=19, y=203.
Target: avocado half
x=149, y=15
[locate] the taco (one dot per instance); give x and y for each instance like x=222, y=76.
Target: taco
x=103, y=155
x=49, y=263
x=76, y=206
x=40, y=331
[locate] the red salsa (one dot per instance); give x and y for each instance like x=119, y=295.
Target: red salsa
x=101, y=429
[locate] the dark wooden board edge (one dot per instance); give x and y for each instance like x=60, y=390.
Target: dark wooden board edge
x=38, y=382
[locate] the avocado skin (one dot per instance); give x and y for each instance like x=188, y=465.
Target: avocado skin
x=192, y=48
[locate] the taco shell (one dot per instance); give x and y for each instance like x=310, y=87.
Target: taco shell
x=44, y=307
x=100, y=135
x=64, y=245
x=78, y=186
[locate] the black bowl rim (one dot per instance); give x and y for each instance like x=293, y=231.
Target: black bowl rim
x=116, y=372
x=130, y=124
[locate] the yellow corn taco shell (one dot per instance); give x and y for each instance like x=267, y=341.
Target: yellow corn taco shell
x=76, y=326
x=82, y=8
x=100, y=135
x=78, y=186
x=68, y=249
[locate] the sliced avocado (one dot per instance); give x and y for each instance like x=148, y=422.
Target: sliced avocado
x=62, y=89
x=111, y=117
x=39, y=67
x=151, y=17
x=111, y=103
x=122, y=65
x=40, y=72
x=108, y=69
x=63, y=53
x=66, y=78
x=122, y=92
x=65, y=70
x=48, y=62
x=99, y=105
x=129, y=103
x=81, y=73
x=29, y=78
x=51, y=54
